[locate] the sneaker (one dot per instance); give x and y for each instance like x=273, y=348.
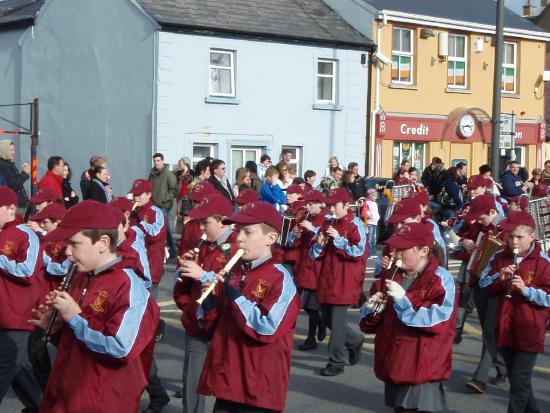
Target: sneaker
x=160, y=330
x=476, y=386
x=321, y=332
x=156, y=405
x=499, y=379
x=355, y=353
x=331, y=370
x=307, y=345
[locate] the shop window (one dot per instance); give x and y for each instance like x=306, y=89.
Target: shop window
x=203, y=150
x=509, y=69
x=414, y=152
x=457, y=62
x=402, y=56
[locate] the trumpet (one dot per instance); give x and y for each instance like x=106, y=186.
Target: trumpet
x=65, y=285
x=509, y=282
x=379, y=306
x=194, y=253
x=238, y=254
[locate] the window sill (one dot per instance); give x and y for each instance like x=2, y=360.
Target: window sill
x=222, y=101
x=324, y=106
x=458, y=90
x=400, y=86
x=510, y=95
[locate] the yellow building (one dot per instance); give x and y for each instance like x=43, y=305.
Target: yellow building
x=432, y=85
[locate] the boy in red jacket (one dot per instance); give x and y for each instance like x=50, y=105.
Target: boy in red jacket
x=521, y=318
x=341, y=244
x=247, y=367
x=415, y=327
x=106, y=321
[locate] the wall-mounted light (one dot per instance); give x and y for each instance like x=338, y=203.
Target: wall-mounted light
x=478, y=45
x=425, y=33
x=443, y=45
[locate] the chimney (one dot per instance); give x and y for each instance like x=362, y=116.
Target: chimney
x=528, y=9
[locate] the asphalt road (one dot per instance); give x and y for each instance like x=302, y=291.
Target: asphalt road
x=357, y=390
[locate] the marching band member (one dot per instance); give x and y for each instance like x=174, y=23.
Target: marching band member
x=519, y=275
x=213, y=255
x=247, y=367
x=341, y=244
x=415, y=330
x=108, y=320
x=246, y=196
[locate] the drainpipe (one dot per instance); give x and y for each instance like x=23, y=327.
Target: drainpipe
x=376, y=106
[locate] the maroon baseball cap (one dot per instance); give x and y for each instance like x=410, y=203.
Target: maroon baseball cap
x=214, y=204
x=412, y=235
x=479, y=206
x=295, y=189
x=200, y=190
x=7, y=196
x=406, y=208
x=141, y=186
x=44, y=195
x=85, y=215
x=53, y=211
x=313, y=196
x=117, y=213
x=122, y=203
x=517, y=218
x=337, y=195
x=257, y=213
x=477, y=181
x=246, y=196
x=521, y=200
x=421, y=197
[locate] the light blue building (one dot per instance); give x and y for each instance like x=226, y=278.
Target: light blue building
x=229, y=79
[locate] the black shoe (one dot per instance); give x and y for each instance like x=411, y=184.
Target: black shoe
x=321, y=332
x=458, y=336
x=156, y=405
x=178, y=394
x=331, y=370
x=355, y=353
x=499, y=379
x=307, y=345
x=476, y=386
x=160, y=330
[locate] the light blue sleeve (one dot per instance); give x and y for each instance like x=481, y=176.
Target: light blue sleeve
x=315, y=251
x=437, y=235
x=207, y=277
x=537, y=296
x=363, y=312
x=435, y=314
x=139, y=246
x=119, y=345
x=154, y=228
x=24, y=269
x=485, y=280
x=55, y=268
x=353, y=250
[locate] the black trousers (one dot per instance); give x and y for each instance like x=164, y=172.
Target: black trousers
x=519, y=365
x=342, y=336
x=226, y=406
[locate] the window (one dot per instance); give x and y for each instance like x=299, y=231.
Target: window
x=202, y=150
x=296, y=157
x=326, y=81
x=222, y=73
x=413, y=151
x=457, y=61
x=402, y=56
x=508, y=84
x=240, y=155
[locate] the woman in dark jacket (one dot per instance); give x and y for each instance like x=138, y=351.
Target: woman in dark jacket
x=451, y=195
x=69, y=195
x=98, y=191
x=12, y=177
x=218, y=179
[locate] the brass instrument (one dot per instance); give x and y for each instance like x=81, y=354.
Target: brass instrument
x=394, y=195
x=238, y=254
x=509, y=282
x=540, y=211
x=65, y=285
x=486, y=246
x=194, y=253
x=379, y=307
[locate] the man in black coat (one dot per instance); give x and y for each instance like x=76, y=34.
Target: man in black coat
x=13, y=178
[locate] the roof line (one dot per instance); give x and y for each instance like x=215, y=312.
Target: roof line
x=459, y=24
x=204, y=30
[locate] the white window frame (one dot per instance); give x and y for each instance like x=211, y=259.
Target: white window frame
x=243, y=148
x=334, y=78
x=231, y=68
x=400, y=53
x=212, y=148
x=458, y=59
x=414, y=155
x=510, y=66
x=296, y=160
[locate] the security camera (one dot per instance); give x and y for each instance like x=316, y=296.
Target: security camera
x=380, y=57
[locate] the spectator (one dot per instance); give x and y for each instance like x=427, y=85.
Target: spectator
x=332, y=165
x=512, y=185
x=401, y=176
x=353, y=187
x=97, y=189
x=485, y=171
x=165, y=190
x=95, y=160
x=284, y=175
x=299, y=181
x=242, y=181
x=69, y=195
x=373, y=216
x=310, y=177
x=271, y=191
x=202, y=173
x=265, y=162
x=2, y=180
x=430, y=176
x=546, y=172
x=451, y=198
x=219, y=180
x=353, y=167
x=184, y=178
x=292, y=172
x=286, y=156
x=8, y=171
x=462, y=168
x=538, y=188
x=413, y=180
x=256, y=181
x=54, y=176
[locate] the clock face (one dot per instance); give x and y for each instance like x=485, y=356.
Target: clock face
x=466, y=126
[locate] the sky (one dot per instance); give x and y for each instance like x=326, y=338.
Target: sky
x=516, y=5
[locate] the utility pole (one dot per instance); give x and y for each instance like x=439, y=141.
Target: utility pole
x=495, y=133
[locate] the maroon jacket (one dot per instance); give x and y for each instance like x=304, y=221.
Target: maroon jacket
x=104, y=354
x=249, y=356
x=52, y=181
x=56, y=266
x=134, y=253
x=343, y=262
x=414, y=335
x=20, y=264
x=190, y=234
x=520, y=323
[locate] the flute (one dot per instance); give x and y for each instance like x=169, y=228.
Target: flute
x=381, y=305
x=134, y=206
x=238, y=254
x=65, y=285
x=509, y=283
x=194, y=253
